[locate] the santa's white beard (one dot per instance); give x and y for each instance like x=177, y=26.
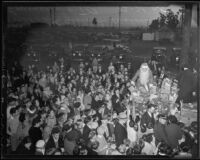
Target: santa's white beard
x=144, y=77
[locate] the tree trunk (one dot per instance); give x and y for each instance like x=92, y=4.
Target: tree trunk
x=186, y=35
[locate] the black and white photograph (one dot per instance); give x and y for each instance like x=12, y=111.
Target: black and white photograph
x=83, y=79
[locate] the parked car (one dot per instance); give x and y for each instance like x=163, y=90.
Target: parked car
x=159, y=55
x=78, y=56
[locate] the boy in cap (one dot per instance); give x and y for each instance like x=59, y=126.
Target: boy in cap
x=55, y=141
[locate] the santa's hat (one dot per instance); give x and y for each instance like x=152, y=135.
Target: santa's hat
x=144, y=65
x=122, y=116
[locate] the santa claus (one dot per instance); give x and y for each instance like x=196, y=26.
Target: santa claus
x=143, y=76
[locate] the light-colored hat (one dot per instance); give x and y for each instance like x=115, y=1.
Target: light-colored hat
x=100, y=131
x=40, y=144
x=122, y=115
x=114, y=115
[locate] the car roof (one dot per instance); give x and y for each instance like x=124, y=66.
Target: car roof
x=160, y=48
x=176, y=48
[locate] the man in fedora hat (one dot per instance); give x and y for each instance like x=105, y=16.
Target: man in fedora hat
x=159, y=129
x=120, y=129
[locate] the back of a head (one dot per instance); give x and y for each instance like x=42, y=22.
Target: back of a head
x=36, y=120
x=87, y=119
x=172, y=119
x=165, y=149
x=13, y=111
x=149, y=138
x=137, y=149
x=184, y=147
x=129, y=151
x=22, y=117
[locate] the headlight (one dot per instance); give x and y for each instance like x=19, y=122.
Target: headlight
x=74, y=54
x=177, y=58
x=120, y=57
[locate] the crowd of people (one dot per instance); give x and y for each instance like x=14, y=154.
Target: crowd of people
x=89, y=111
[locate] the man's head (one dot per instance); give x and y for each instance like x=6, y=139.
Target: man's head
x=151, y=108
x=162, y=118
x=55, y=133
x=13, y=111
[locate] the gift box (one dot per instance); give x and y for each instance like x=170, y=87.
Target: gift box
x=166, y=86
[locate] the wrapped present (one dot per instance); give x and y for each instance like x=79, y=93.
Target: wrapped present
x=164, y=97
x=166, y=86
x=153, y=88
x=174, y=87
x=173, y=97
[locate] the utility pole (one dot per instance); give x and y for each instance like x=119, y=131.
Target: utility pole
x=50, y=17
x=119, y=16
x=110, y=20
x=147, y=24
x=54, y=9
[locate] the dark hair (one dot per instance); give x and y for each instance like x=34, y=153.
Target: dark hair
x=41, y=112
x=36, y=120
x=18, y=107
x=184, y=147
x=129, y=151
x=137, y=149
x=143, y=128
x=13, y=110
x=76, y=150
x=149, y=138
x=165, y=149
x=87, y=119
x=26, y=139
x=95, y=145
x=141, y=143
x=137, y=119
x=172, y=119
x=22, y=117
x=58, y=150
x=149, y=105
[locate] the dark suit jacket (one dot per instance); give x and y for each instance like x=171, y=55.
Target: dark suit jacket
x=174, y=134
x=187, y=85
x=116, y=105
x=51, y=144
x=120, y=134
x=160, y=133
x=146, y=119
x=86, y=131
